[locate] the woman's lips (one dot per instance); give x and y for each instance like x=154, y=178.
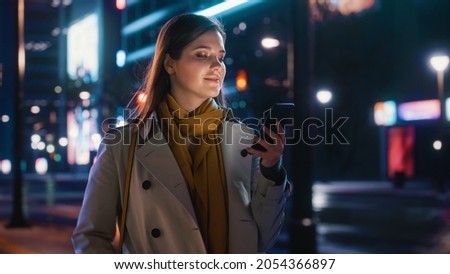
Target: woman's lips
x=214, y=79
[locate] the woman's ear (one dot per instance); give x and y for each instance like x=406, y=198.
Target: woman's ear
x=168, y=64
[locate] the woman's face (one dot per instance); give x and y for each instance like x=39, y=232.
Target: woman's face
x=199, y=72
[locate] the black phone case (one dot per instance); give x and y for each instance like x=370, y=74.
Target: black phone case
x=282, y=112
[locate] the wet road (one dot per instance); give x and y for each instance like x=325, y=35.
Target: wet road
x=376, y=218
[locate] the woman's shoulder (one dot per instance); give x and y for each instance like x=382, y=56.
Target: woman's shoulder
x=120, y=135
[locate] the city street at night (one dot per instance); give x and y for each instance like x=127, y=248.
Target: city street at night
x=358, y=163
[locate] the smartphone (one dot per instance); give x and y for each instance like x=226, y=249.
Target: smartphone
x=282, y=113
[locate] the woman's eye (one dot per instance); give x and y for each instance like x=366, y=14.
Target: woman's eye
x=202, y=55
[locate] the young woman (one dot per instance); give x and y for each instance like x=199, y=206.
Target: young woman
x=197, y=186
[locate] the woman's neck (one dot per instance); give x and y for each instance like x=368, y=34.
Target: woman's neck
x=188, y=104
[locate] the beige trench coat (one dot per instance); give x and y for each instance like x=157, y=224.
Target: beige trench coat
x=160, y=216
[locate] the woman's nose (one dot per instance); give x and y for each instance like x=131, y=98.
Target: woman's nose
x=215, y=64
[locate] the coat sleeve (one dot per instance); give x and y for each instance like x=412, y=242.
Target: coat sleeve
x=96, y=225
x=268, y=204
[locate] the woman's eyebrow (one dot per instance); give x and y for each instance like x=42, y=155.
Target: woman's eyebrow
x=208, y=48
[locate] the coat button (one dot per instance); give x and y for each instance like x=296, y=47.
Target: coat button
x=156, y=233
x=244, y=153
x=146, y=184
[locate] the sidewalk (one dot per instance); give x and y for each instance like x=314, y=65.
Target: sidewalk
x=36, y=239
x=47, y=235
x=51, y=207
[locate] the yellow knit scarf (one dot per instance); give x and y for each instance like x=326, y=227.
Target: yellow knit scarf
x=193, y=139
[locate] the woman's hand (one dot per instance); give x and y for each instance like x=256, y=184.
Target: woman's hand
x=274, y=151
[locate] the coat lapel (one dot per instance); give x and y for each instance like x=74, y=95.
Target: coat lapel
x=243, y=233
x=237, y=167
x=156, y=157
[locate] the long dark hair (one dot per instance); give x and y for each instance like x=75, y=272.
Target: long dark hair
x=174, y=36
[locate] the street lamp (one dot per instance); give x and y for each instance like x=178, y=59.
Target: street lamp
x=324, y=96
x=440, y=63
x=270, y=43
